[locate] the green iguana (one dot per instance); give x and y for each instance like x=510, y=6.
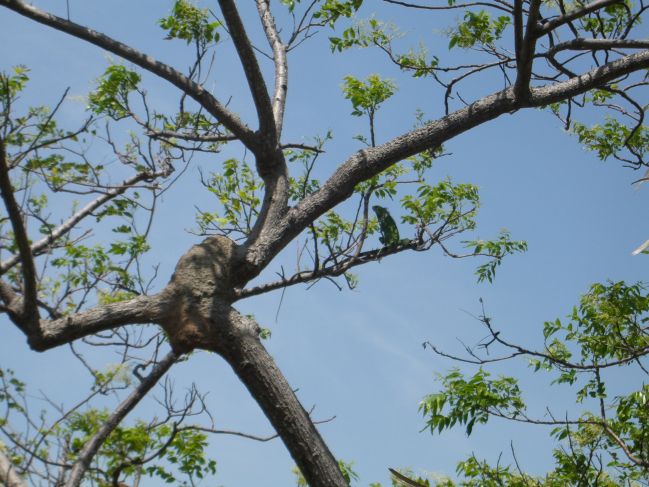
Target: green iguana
x=387, y=225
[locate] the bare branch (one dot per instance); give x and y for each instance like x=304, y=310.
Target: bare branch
x=552, y=24
x=262, y=439
x=525, y=48
x=499, y=4
x=251, y=68
x=194, y=137
x=91, y=447
x=581, y=44
x=193, y=89
x=29, y=311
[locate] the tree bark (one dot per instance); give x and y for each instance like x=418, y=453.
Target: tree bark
x=261, y=376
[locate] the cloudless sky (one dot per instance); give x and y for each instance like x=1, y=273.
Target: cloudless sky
x=357, y=354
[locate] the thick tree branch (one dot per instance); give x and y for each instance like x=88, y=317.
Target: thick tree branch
x=581, y=44
x=269, y=158
x=91, y=447
x=140, y=310
x=29, y=312
x=370, y=162
x=252, y=71
x=279, y=59
x=7, y=294
x=518, y=30
x=592, y=79
x=552, y=24
x=241, y=348
x=525, y=51
x=8, y=475
x=196, y=91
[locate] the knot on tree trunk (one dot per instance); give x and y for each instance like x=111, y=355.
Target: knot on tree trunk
x=201, y=315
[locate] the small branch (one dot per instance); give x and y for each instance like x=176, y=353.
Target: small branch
x=611, y=434
x=552, y=24
x=194, y=137
x=305, y=147
x=91, y=448
x=8, y=475
x=248, y=436
x=332, y=271
x=525, y=50
x=581, y=44
x=519, y=350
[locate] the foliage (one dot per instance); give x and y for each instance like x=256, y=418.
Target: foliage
x=236, y=189
x=606, y=444
x=367, y=96
x=111, y=95
x=79, y=206
x=478, y=28
x=191, y=24
x=496, y=250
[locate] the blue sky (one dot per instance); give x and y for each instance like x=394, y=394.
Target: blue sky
x=357, y=354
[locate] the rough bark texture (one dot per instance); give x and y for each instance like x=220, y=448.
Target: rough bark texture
x=257, y=370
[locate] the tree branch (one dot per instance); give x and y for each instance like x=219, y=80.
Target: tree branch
x=91, y=448
x=331, y=271
x=369, y=162
x=251, y=69
x=279, y=59
x=193, y=136
x=248, y=436
x=29, y=312
x=193, y=89
x=525, y=49
x=552, y=24
x=581, y=44
x=499, y=4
